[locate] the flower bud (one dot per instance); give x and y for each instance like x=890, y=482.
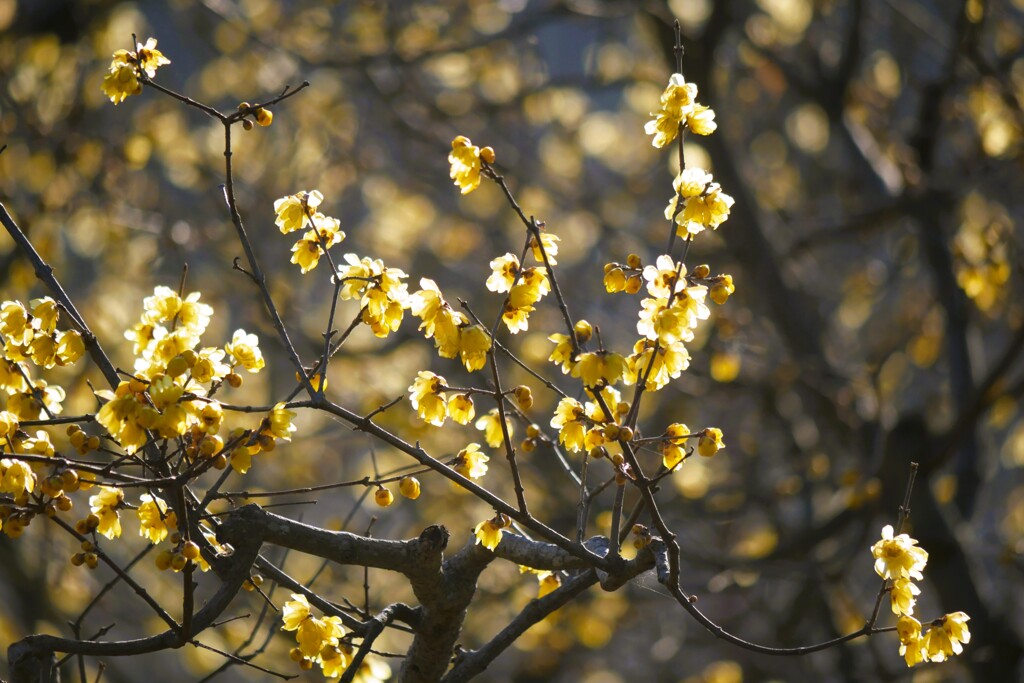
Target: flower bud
x=584, y=331
x=383, y=497
x=409, y=487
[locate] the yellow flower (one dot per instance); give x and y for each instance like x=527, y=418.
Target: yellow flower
x=563, y=354
x=599, y=368
x=44, y=314
x=570, y=421
x=474, y=344
x=663, y=277
x=946, y=639
x=121, y=82
x=279, y=423
x=677, y=101
x=902, y=596
x=550, y=244
x=662, y=322
x=16, y=477
x=440, y=321
x=105, y=505
x=43, y=351
x=70, y=347
x=490, y=425
x=312, y=634
x=14, y=323
x=516, y=319
x=673, y=448
x=294, y=612
x=704, y=203
x=324, y=235
x=488, y=532
x=195, y=315
x=334, y=661
x=721, y=289
x=209, y=366
x=532, y=286
x=701, y=120
x=306, y=252
x=245, y=350
x=503, y=273
x=428, y=398
x=155, y=521
x=547, y=582
x=911, y=644
x=382, y=291
x=149, y=58
x=710, y=442
x=8, y=424
x=466, y=166
x=470, y=462
x=120, y=416
x=295, y=212
x=460, y=407
x=898, y=557
x=670, y=362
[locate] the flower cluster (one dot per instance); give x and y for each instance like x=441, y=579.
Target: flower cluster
x=586, y=427
x=679, y=107
x=318, y=638
x=124, y=77
x=704, y=205
x=31, y=334
x=453, y=336
x=525, y=287
x=467, y=162
x=899, y=560
x=381, y=292
x=299, y=211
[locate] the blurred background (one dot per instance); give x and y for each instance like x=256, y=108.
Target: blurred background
x=874, y=151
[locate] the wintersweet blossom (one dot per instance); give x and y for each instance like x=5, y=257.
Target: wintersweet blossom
x=898, y=557
x=466, y=166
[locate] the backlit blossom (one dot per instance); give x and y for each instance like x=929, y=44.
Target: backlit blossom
x=474, y=344
x=382, y=292
x=946, y=639
x=440, y=320
x=471, y=462
x=461, y=408
x=155, y=521
x=295, y=212
x=673, y=448
x=121, y=82
x=490, y=425
x=427, y=396
x=902, y=596
x=668, y=363
x=549, y=243
x=465, y=164
x=245, y=350
x=105, y=505
x=911, y=644
x=313, y=634
x=704, y=203
x=571, y=423
x=599, y=368
x=488, y=532
x=710, y=442
x=503, y=273
x=149, y=57
x=898, y=557
x=563, y=354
